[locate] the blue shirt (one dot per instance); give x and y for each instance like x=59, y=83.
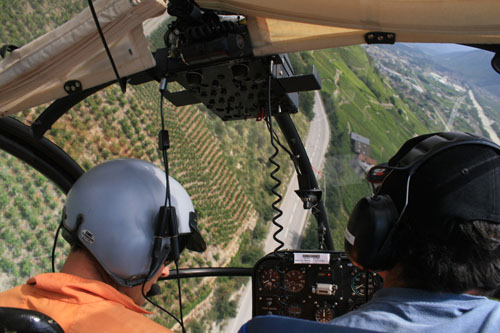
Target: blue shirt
x=411, y=310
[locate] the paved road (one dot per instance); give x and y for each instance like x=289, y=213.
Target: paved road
x=294, y=216
x=484, y=119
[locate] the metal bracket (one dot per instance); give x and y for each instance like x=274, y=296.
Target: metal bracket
x=309, y=197
x=72, y=86
x=301, y=82
x=7, y=48
x=379, y=37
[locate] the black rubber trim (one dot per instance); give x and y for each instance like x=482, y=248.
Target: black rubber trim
x=209, y=271
x=7, y=48
x=59, y=107
x=486, y=47
x=45, y=156
x=305, y=174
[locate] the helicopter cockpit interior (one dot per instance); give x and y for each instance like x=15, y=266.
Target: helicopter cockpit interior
x=230, y=56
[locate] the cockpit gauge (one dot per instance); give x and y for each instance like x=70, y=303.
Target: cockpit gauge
x=271, y=305
x=295, y=280
x=324, y=313
x=360, y=283
x=294, y=310
x=312, y=285
x=269, y=279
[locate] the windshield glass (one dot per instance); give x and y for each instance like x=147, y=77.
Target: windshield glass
x=373, y=98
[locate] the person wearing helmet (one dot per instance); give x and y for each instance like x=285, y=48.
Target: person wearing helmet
x=120, y=248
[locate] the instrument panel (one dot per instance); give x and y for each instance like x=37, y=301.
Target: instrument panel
x=313, y=285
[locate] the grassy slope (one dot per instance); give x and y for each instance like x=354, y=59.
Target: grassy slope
x=364, y=101
x=360, y=101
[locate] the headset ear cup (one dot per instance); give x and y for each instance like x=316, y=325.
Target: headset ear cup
x=367, y=241
x=162, y=244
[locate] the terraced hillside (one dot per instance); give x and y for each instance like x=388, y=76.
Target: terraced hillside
x=30, y=210
x=222, y=165
x=23, y=21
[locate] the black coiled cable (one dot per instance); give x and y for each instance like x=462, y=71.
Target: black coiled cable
x=275, y=203
x=277, y=140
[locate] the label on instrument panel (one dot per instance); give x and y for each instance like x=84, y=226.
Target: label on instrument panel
x=311, y=258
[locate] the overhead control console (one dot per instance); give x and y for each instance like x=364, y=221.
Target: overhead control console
x=211, y=59
x=310, y=285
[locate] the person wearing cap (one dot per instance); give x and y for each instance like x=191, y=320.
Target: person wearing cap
x=432, y=231
x=111, y=219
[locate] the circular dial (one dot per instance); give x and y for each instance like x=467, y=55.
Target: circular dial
x=295, y=280
x=271, y=305
x=360, y=283
x=269, y=279
x=294, y=310
x=324, y=314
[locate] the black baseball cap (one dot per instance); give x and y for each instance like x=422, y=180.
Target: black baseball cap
x=452, y=175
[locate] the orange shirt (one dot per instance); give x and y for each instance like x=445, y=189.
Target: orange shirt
x=80, y=305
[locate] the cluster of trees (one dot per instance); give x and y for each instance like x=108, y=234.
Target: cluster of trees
x=226, y=187
x=24, y=20
x=30, y=208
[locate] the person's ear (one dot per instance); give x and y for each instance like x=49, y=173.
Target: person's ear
x=165, y=272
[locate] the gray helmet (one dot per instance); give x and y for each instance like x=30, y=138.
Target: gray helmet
x=111, y=211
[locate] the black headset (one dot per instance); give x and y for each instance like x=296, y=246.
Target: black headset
x=166, y=243
x=168, y=239
x=374, y=220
